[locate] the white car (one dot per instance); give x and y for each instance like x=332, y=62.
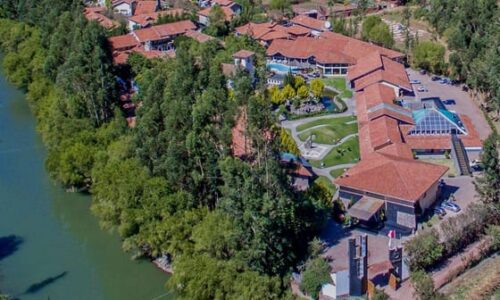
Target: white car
x=422, y=89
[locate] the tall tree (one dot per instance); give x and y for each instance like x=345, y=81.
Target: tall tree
x=488, y=185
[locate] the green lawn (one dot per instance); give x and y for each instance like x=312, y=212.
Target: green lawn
x=346, y=153
x=443, y=162
x=339, y=83
x=331, y=130
x=326, y=121
x=337, y=173
x=326, y=182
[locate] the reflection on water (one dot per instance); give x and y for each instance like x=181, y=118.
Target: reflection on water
x=50, y=244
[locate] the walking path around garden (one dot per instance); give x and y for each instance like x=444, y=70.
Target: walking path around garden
x=293, y=124
x=324, y=149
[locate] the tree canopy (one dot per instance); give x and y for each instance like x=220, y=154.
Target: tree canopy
x=429, y=56
x=171, y=185
x=376, y=31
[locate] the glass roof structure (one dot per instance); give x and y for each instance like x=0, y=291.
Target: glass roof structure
x=436, y=122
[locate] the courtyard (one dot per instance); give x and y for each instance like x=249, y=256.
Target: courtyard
x=329, y=142
x=328, y=131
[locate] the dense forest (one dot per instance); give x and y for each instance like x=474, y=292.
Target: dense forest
x=233, y=228
x=472, y=32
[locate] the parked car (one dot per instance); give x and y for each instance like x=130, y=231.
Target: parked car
x=435, y=78
x=423, y=72
x=422, y=89
x=445, y=81
x=449, y=102
x=439, y=211
x=455, y=82
x=450, y=206
x=415, y=81
x=465, y=88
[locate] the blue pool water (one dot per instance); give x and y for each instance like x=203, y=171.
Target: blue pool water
x=328, y=103
x=280, y=68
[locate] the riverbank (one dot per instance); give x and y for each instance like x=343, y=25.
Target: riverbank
x=52, y=247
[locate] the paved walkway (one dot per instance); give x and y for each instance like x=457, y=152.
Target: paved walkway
x=293, y=124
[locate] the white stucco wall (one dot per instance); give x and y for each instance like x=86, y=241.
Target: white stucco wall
x=124, y=9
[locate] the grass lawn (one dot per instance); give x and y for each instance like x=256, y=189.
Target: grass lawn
x=346, y=153
x=337, y=173
x=326, y=121
x=339, y=83
x=443, y=162
x=329, y=134
x=326, y=182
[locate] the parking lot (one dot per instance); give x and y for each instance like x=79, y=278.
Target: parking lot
x=464, y=104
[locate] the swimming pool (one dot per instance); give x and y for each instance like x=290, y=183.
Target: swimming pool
x=280, y=68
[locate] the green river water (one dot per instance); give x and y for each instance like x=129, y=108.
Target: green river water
x=51, y=247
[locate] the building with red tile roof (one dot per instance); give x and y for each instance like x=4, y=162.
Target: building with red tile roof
x=391, y=176
x=121, y=57
x=146, y=7
x=97, y=14
x=243, y=54
x=199, y=36
x=358, y=48
x=267, y=32
x=229, y=8
x=406, y=185
x=389, y=135
x=334, y=53
x=123, y=42
x=149, y=19
x=376, y=68
x=311, y=52
x=152, y=42
x=312, y=24
x=160, y=37
x=241, y=144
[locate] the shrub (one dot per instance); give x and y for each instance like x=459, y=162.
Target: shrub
x=463, y=229
x=494, y=232
x=316, y=274
x=379, y=295
x=424, y=249
x=423, y=285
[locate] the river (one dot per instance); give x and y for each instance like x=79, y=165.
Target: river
x=51, y=247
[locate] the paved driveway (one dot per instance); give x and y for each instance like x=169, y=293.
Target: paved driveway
x=464, y=104
x=463, y=189
x=336, y=239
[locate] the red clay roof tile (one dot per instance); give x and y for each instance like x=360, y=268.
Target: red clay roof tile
x=309, y=22
x=384, y=174
x=145, y=7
